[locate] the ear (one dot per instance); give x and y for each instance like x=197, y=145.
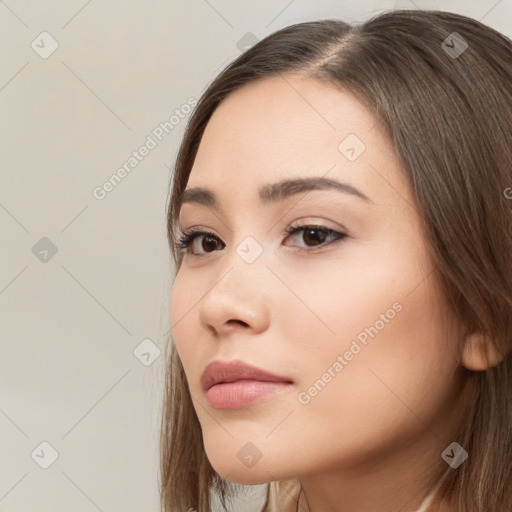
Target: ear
x=480, y=352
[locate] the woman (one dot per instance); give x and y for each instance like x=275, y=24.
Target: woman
x=342, y=308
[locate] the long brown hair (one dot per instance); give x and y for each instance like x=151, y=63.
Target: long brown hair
x=447, y=109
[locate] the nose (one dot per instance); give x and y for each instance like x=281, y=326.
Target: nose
x=237, y=300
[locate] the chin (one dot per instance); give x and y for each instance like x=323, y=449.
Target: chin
x=246, y=476
x=237, y=469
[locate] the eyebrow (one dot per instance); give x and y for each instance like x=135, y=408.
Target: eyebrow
x=275, y=192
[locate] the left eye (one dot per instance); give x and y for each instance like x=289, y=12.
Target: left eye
x=317, y=234
x=314, y=235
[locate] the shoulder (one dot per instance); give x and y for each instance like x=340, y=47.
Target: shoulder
x=282, y=496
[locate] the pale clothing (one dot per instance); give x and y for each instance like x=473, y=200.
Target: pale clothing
x=284, y=496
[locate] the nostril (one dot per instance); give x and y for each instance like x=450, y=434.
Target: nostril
x=238, y=322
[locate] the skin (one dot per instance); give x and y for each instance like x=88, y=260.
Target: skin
x=382, y=422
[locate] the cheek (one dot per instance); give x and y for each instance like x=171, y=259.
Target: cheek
x=386, y=372
x=371, y=343
x=341, y=300
x=181, y=309
x=176, y=304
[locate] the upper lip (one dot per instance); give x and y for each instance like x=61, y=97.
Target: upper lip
x=231, y=371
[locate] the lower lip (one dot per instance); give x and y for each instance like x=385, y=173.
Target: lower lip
x=239, y=394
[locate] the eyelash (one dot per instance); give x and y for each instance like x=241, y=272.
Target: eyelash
x=188, y=236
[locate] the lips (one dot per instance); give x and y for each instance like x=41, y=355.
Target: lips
x=235, y=384
x=219, y=372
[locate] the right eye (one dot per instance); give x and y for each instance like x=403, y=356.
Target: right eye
x=188, y=238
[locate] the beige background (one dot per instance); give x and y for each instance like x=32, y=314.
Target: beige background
x=73, y=372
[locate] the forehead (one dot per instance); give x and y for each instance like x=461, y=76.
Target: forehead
x=289, y=126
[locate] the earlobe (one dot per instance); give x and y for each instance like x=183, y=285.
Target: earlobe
x=480, y=353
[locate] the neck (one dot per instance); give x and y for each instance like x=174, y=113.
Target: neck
x=405, y=478
x=374, y=489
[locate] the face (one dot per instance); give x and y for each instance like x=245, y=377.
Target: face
x=346, y=308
